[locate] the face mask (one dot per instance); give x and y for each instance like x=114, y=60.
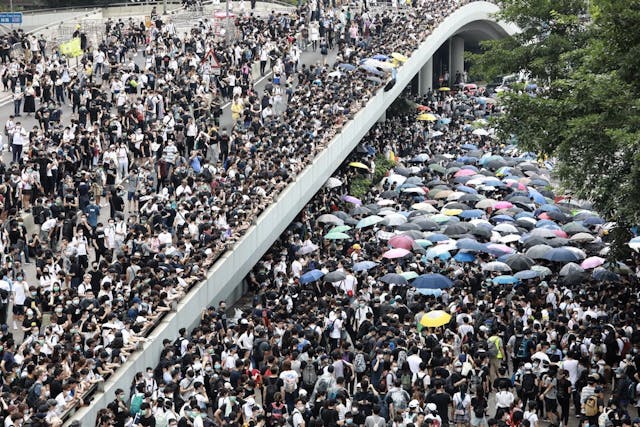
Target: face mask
x=34, y=294
x=349, y=420
x=553, y=347
x=59, y=310
x=217, y=366
x=19, y=278
x=354, y=410
x=29, y=312
x=56, y=289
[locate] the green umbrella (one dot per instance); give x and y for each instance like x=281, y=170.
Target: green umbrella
x=437, y=168
x=339, y=229
x=440, y=218
x=336, y=236
x=369, y=221
x=409, y=275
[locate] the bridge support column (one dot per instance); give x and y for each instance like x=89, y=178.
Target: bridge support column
x=456, y=58
x=425, y=78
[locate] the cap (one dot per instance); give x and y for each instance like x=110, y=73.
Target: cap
x=431, y=407
x=528, y=366
x=136, y=300
x=414, y=404
x=228, y=386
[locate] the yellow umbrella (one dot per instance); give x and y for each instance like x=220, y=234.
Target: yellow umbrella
x=452, y=212
x=435, y=318
x=359, y=165
x=426, y=117
x=399, y=57
x=444, y=89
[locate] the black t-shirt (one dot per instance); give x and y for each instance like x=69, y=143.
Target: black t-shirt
x=442, y=401
x=479, y=406
x=329, y=417
x=147, y=421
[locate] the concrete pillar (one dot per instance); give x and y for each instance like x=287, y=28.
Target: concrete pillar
x=425, y=77
x=456, y=57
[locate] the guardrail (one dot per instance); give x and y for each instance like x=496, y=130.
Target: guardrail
x=225, y=279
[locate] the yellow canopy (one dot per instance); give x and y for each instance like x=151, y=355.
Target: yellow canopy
x=426, y=117
x=399, y=57
x=359, y=165
x=444, y=89
x=435, y=318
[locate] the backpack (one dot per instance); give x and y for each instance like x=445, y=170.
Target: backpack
x=492, y=347
x=136, y=402
x=528, y=383
x=309, y=374
x=32, y=398
x=632, y=389
x=322, y=386
x=272, y=387
x=290, y=383
x=460, y=410
x=405, y=380
x=402, y=357
x=277, y=412
x=523, y=349
x=591, y=406
x=359, y=363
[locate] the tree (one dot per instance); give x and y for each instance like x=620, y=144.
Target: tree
x=585, y=113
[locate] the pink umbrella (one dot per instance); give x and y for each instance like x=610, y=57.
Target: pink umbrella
x=560, y=233
x=465, y=172
x=503, y=205
x=592, y=262
x=351, y=199
x=402, y=241
x=518, y=185
x=502, y=248
x=396, y=253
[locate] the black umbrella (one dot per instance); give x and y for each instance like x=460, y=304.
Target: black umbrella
x=455, y=229
x=393, y=278
x=334, y=276
x=389, y=194
x=426, y=225
x=408, y=226
x=519, y=262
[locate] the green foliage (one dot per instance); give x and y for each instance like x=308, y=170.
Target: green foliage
x=359, y=186
x=587, y=113
x=382, y=167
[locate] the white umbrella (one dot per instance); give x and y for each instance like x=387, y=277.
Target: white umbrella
x=333, y=183
x=480, y=132
x=496, y=266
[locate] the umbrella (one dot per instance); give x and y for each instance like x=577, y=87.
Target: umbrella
x=347, y=67
x=480, y=132
x=505, y=280
x=538, y=251
x=395, y=279
x=394, y=219
x=604, y=275
x=496, y=266
x=582, y=238
x=333, y=183
x=334, y=276
x=330, y=219
x=401, y=241
x=399, y=57
x=470, y=245
x=519, y=262
x=435, y=318
x=369, y=221
x=444, y=89
x=634, y=243
x=562, y=254
x=396, y=253
x=592, y=262
x=352, y=200
x=542, y=270
x=432, y=281
x=426, y=117
x=337, y=236
x=409, y=275
x=571, y=269
x=339, y=229
x=364, y=265
x=527, y=274
x=464, y=257
x=311, y=276
x=359, y=165
x=307, y=249
x=472, y=213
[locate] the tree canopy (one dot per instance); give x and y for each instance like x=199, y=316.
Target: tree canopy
x=585, y=57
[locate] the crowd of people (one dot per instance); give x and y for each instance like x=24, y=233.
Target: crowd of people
x=146, y=139
x=334, y=334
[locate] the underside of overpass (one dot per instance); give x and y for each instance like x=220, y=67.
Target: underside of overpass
x=447, y=65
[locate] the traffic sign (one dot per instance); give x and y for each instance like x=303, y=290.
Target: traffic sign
x=11, y=18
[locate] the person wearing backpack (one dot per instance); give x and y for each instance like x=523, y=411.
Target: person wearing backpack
x=289, y=387
x=526, y=348
x=496, y=353
x=528, y=385
x=272, y=385
x=278, y=413
x=359, y=362
x=593, y=406
x=309, y=375
x=461, y=402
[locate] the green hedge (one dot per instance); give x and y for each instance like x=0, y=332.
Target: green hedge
x=361, y=185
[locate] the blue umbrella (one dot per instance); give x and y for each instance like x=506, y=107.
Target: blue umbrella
x=505, y=280
x=527, y=274
x=546, y=208
x=438, y=237
x=381, y=57
x=467, y=159
x=464, y=257
x=471, y=213
x=502, y=218
x=311, y=276
x=466, y=189
x=364, y=265
x=562, y=255
x=604, y=275
x=547, y=223
x=593, y=220
x=470, y=245
x=444, y=121
x=469, y=147
x=432, y=281
x=433, y=292
x=347, y=67
x=536, y=196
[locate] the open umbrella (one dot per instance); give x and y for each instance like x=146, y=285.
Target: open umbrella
x=396, y=253
x=393, y=278
x=544, y=271
x=527, y=274
x=369, y=221
x=337, y=236
x=359, y=165
x=592, y=262
x=401, y=241
x=571, y=269
x=330, y=219
x=519, y=262
x=538, y=251
x=364, y=265
x=311, y=276
x=426, y=117
x=432, y=281
x=409, y=275
x=339, y=229
x=435, y=318
x=334, y=276
x=333, y=183
x=307, y=249
x=352, y=200
x=505, y=280
x=496, y=266
x=562, y=254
